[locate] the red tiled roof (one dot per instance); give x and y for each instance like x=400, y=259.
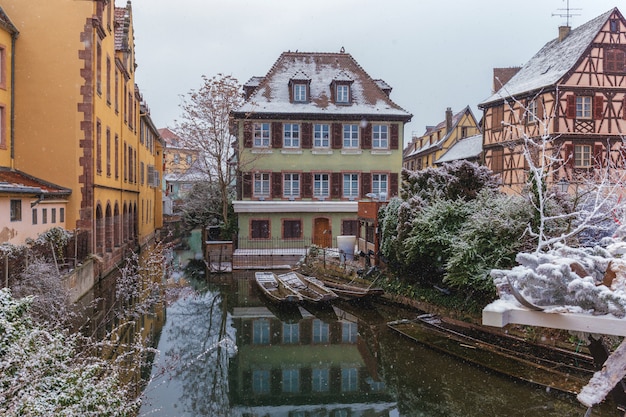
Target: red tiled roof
x=21, y=182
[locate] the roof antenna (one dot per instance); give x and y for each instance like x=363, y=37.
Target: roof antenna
x=566, y=13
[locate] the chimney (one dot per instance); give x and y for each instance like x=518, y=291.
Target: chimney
x=448, y=120
x=563, y=32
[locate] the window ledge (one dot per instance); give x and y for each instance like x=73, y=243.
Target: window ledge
x=381, y=152
x=262, y=151
x=291, y=151
x=351, y=151
x=322, y=152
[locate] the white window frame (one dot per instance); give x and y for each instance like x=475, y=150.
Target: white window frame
x=299, y=93
x=291, y=184
x=351, y=136
x=584, y=107
x=321, y=185
x=582, y=156
x=380, y=136
x=351, y=185
x=291, y=135
x=261, y=184
x=321, y=136
x=261, y=135
x=380, y=183
x=342, y=93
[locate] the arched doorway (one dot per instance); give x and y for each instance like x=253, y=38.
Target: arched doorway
x=322, y=232
x=108, y=229
x=99, y=230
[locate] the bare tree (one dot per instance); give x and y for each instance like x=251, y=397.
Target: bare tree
x=205, y=127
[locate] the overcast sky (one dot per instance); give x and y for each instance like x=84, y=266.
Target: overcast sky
x=434, y=53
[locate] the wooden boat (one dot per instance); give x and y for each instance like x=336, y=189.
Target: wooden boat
x=353, y=289
x=308, y=289
x=274, y=289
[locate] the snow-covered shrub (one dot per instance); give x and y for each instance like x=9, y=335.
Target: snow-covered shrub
x=567, y=279
x=491, y=237
x=390, y=244
x=43, y=373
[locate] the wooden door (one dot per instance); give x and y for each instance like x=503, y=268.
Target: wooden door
x=322, y=232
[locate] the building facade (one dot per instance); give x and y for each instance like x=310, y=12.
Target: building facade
x=572, y=92
x=78, y=119
x=425, y=151
x=315, y=135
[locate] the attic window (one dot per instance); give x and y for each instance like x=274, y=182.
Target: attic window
x=342, y=93
x=300, y=92
x=614, y=25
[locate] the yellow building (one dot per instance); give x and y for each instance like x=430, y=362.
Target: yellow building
x=78, y=119
x=424, y=151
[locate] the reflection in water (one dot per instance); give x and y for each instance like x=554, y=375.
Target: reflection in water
x=317, y=363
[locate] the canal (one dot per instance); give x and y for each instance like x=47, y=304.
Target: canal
x=224, y=350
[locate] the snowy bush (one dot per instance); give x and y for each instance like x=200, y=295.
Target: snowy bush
x=43, y=373
x=490, y=238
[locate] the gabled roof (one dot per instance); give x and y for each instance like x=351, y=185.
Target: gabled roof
x=13, y=181
x=467, y=148
x=553, y=61
x=271, y=94
x=442, y=125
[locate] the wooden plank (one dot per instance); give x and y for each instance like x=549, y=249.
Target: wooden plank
x=499, y=314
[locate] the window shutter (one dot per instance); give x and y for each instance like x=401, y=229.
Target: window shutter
x=337, y=136
x=277, y=185
x=307, y=185
x=247, y=135
x=393, y=184
x=366, y=183
x=569, y=156
x=366, y=137
x=277, y=135
x=335, y=185
x=393, y=136
x=598, y=107
x=540, y=108
x=598, y=155
x=570, y=110
x=247, y=185
x=307, y=135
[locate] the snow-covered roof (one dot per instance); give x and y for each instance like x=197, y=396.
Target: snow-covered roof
x=14, y=181
x=467, y=148
x=553, y=61
x=441, y=126
x=272, y=96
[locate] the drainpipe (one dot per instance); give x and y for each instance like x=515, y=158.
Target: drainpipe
x=12, y=135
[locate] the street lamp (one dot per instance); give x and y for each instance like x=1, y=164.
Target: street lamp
x=563, y=185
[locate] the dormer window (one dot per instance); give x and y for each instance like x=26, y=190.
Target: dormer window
x=299, y=88
x=300, y=93
x=342, y=94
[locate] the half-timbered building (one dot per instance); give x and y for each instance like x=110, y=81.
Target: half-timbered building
x=424, y=151
x=573, y=93
x=315, y=135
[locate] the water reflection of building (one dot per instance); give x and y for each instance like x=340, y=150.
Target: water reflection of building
x=313, y=366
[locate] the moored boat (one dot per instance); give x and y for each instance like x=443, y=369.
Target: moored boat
x=353, y=289
x=308, y=289
x=275, y=289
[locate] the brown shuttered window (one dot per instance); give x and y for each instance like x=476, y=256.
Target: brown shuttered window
x=394, y=139
x=366, y=183
x=393, y=184
x=247, y=135
x=335, y=185
x=337, y=136
x=307, y=185
x=277, y=135
x=598, y=107
x=366, y=137
x=247, y=185
x=277, y=185
x=307, y=135
x=570, y=110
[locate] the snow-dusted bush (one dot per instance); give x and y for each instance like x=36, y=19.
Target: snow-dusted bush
x=491, y=237
x=43, y=373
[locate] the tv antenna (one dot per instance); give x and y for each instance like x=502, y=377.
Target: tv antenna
x=566, y=13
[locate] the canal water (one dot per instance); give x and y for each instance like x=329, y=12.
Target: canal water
x=224, y=350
